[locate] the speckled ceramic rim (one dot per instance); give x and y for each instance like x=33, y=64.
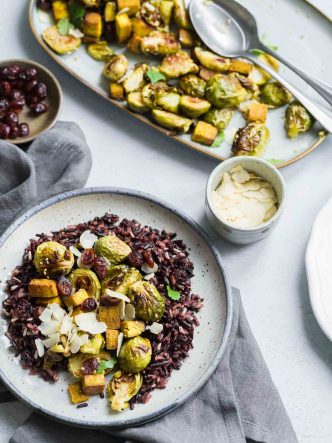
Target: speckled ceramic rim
x=229, y=309
x=56, y=85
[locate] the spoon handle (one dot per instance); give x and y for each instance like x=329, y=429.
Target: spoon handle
x=321, y=115
x=322, y=88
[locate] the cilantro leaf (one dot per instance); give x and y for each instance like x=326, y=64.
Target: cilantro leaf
x=173, y=295
x=256, y=51
x=218, y=140
x=76, y=12
x=155, y=76
x=106, y=364
x=266, y=42
x=64, y=26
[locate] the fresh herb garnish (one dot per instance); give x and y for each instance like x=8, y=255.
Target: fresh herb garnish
x=76, y=12
x=64, y=26
x=155, y=76
x=265, y=41
x=218, y=140
x=106, y=364
x=257, y=52
x=274, y=161
x=174, y=295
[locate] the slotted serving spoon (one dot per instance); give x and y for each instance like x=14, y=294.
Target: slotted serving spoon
x=230, y=30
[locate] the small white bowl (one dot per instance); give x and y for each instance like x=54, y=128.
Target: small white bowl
x=259, y=167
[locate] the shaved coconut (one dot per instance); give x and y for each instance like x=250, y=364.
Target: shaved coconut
x=115, y=294
x=149, y=276
x=75, y=344
x=49, y=327
x=155, y=328
x=129, y=312
x=52, y=340
x=84, y=339
x=46, y=315
x=40, y=347
x=146, y=268
x=122, y=310
x=87, y=239
x=66, y=325
x=75, y=251
x=88, y=322
x=120, y=340
x=57, y=312
x=76, y=33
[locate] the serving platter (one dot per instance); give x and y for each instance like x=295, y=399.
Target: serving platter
x=285, y=31
x=210, y=280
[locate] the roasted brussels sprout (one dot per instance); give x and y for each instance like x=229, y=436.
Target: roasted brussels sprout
x=135, y=102
x=62, y=44
x=212, y=61
x=52, y=258
x=86, y=279
x=160, y=43
x=151, y=14
x=249, y=85
x=92, y=25
x=168, y=101
x=120, y=278
x=225, y=91
x=136, y=80
x=151, y=91
x=175, y=65
x=193, y=107
x=94, y=345
x=166, y=10
x=171, y=121
x=193, y=85
x=123, y=28
x=116, y=68
x=100, y=51
x=112, y=248
x=297, y=120
x=181, y=16
x=76, y=362
x=275, y=95
x=149, y=303
x=251, y=140
x=240, y=65
x=132, y=328
x=219, y=117
x=135, y=355
x=122, y=388
x=204, y=133
x=187, y=38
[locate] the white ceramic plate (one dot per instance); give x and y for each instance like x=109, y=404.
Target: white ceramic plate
x=210, y=281
x=318, y=267
x=288, y=24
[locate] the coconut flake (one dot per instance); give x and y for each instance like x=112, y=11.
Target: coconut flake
x=88, y=322
x=155, y=328
x=57, y=312
x=87, y=239
x=115, y=294
x=75, y=251
x=75, y=344
x=76, y=33
x=120, y=340
x=122, y=310
x=129, y=312
x=40, y=347
x=50, y=327
x=84, y=339
x=46, y=315
x=147, y=269
x=52, y=340
x=66, y=325
x=149, y=276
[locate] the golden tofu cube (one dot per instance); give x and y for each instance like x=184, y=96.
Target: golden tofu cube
x=257, y=112
x=76, y=393
x=186, y=38
x=93, y=384
x=42, y=287
x=132, y=328
x=123, y=28
x=110, y=315
x=133, y=6
x=112, y=336
x=110, y=12
x=76, y=299
x=92, y=25
x=48, y=301
x=134, y=44
x=240, y=66
x=116, y=91
x=204, y=133
x=60, y=10
x=140, y=27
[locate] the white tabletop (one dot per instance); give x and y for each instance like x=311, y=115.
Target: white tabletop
x=270, y=274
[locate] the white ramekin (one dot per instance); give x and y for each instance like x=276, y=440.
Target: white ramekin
x=261, y=168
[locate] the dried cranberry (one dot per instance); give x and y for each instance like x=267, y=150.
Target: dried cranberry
x=28, y=87
x=4, y=72
x=89, y=305
x=40, y=90
x=17, y=104
x=37, y=312
x=30, y=73
x=45, y=5
x=148, y=258
x=106, y=300
x=13, y=72
x=4, y=131
x=100, y=267
x=3, y=104
x=17, y=84
x=11, y=119
x=90, y=366
x=15, y=94
x=5, y=89
x=64, y=286
x=108, y=32
x=87, y=257
x=32, y=99
x=14, y=132
x=39, y=108
x=24, y=129
x=135, y=259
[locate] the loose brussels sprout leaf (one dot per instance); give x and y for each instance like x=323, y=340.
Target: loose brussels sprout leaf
x=151, y=91
x=168, y=101
x=297, y=120
x=193, y=85
x=212, y=61
x=64, y=26
x=178, y=64
x=76, y=362
x=116, y=68
x=148, y=302
x=193, y=106
x=154, y=75
x=52, y=259
x=159, y=43
x=275, y=95
x=120, y=278
x=100, y=51
x=136, y=80
x=219, y=118
x=85, y=279
x=172, y=294
x=135, y=355
x=181, y=16
x=62, y=44
x=135, y=102
x=122, y=388
x=171, y=121
x=224, y=91
x=218, y=140
x=251, y=140
x=105, y=365
x=112, y=248
x=94, y=345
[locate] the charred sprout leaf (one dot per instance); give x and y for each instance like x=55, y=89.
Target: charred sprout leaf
x=77, y=12
x=64, y=26
x=218, y=140
x=297, y=120
x=148, y=302
x=275, y=95
x=52, y=258
x=251, y=140
x=225, y=91
x=154, y=75
x=100, y=51
x=122, y=388
x=178, y=64
x=159, y=43
x=94, y=345
x=106, y=364
x=172, y=294
x=135, y=355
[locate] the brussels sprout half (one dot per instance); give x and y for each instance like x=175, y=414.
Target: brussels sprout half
x=159, y=43
x=135, y=355
x=122, y=388
x=62, y=44
x=225, y=91
x=149, y=303
x=175, y=65
x=52, y=259
x=297, y=120
x=193, y=85
x=116, y=68
x=275, y=95
x=112, y=248
x=193, y=107
x=251, y=140
x=219, y=118
x=120, y=278
x=100, y=51
x=76, y=362
x=85, y=279
x=171, y=121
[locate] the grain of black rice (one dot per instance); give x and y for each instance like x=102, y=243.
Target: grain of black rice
x=82, y=405
x=170, y=347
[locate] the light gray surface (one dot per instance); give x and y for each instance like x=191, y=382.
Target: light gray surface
x=270, y=274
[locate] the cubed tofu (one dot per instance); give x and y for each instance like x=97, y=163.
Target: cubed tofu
x=204, y=133
x=132, y=6
x=123, y=28
x=116, y=91
x=112, y=336
x=110, y=315
x=132, y=328
x=166, y=11
x=92, y=25
x=186, y=38
x=76, y=299
x=42, y=288
x=47, y=301
x=240, y=66
x=110, y=12
x=205, y=73
x=76, y=393
x=93, y=384
x=140, y=27
x=60, y=10
x=134, y=44
x=257, y=112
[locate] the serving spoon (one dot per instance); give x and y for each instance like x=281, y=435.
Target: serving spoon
x=230, y=30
